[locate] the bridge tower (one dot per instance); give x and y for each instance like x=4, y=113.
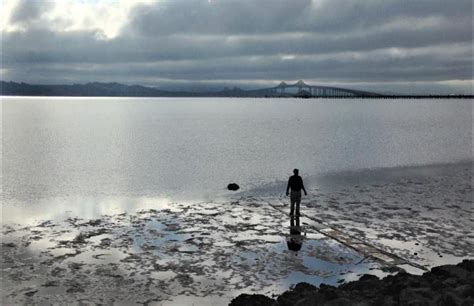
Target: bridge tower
x=282, y=87
x=300, y=84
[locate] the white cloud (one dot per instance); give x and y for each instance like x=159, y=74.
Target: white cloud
x=105, y=17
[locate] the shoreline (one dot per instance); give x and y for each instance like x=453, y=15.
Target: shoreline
x=114, y=89
x=382, y=97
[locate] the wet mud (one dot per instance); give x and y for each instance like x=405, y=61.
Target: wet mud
x=210, y=252
x=425, y=219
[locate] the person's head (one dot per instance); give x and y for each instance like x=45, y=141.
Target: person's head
x=294, y=244
x=296, y=171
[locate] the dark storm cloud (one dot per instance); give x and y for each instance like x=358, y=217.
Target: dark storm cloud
x=425, y=64
x=280, y=16
x=27, y=11
x=220, y=17
x=251, y=41
x=82, y=47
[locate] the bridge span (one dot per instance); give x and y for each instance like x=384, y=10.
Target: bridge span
x=305, y=90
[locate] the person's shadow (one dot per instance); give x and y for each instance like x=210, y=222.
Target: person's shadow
x=295, y=240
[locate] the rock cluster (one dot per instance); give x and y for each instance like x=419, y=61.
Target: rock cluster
x=443, y=285
x=233, y=186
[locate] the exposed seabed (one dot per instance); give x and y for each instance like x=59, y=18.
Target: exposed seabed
x=210, y=252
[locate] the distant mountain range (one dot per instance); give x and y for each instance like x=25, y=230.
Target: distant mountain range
x=96, y=89
x=90, y=89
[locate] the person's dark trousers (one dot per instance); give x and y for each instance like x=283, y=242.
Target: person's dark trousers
x=295, y=199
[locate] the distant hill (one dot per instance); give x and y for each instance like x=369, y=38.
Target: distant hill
x=97, y=89
x=90, y=89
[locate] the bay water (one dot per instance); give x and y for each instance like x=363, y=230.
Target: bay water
x=96, y=155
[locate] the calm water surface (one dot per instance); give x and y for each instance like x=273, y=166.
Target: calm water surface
x=80, y=151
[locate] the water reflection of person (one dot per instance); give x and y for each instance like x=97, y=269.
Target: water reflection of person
x=295, y=240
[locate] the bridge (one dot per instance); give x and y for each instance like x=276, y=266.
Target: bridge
x=304, y=90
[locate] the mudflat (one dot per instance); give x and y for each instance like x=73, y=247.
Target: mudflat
x=210, y=252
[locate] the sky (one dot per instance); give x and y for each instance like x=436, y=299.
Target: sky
x=392, y=46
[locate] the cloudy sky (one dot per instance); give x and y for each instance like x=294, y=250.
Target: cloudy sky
x=409, y=46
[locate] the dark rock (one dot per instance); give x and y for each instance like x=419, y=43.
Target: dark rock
x=451, y=271
x=328, y=292
x=233, y=187
x=443, y=285
x=437, y=285
x=366, y=283
x=415, y=296
x=464, y=291
x=467, y=265
x=451, y=299
x=367, y=277
x=301, y=291
x=323, y=286
x=309, y=300
x=386, y=301
x=305, y=287
x=252, y=300
x=342, y=301
x=450, y=282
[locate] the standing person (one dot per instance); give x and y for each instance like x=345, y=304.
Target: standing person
x=295, y=183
